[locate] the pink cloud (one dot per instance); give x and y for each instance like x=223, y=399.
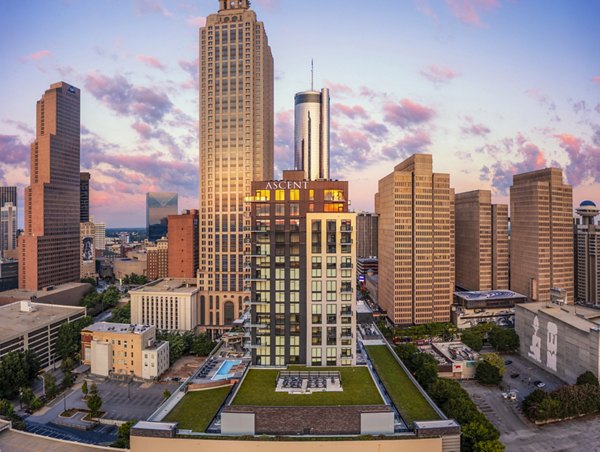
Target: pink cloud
x=35, y=56
x=407, y=113
x=339, y=89
x=12, y=150
x=151, y=62
x=196, y=21
x=470, y=11
x=439, y=74
x=352, y=112
x=267, y=4
x=142, y=7
x=596, y=79
x=473, y=129
x=411, y=143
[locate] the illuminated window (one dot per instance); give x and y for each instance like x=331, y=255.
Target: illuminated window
x=279, y=195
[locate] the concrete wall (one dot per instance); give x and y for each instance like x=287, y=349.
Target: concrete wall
x=101, y=363
x=237, y=424
x=377, y=423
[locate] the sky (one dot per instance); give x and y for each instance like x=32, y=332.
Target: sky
x=491, y=88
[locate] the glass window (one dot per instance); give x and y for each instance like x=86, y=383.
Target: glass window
x=294, y=195
x=279, y=195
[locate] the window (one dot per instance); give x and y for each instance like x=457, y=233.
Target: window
x=316, y=267
x=279, y=195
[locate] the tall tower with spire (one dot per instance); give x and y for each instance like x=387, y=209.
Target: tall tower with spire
x=236, y=148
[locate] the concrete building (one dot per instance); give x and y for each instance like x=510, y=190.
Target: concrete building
x=416, y=243
x=84, y=197
x=158, y=259
x=8, y=195
x=236, y=146
x=49, y=246
x=34, y=326
x=365, y=265
x=119, y=349
x=311, y=134
x=68, y=294
x=367, y=230
x=183, y=244
x=587, y=257
x=88, y=250
x=497, y=306
x=454, y=359
x=8, y=229
x=563, y=340
x=481, y=237
x=159, y=206
x=126, y=266
x=541, y=218
x=302, y=290
x=170, y=304
x=99, y=236
x=9, y=274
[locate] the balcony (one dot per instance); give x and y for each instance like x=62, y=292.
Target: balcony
x=346, y=289
x=346, y=229
x=346, y=265
x=346, y=313
x=346, y=241
x=346, y=335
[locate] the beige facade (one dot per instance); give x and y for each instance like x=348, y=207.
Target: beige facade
x=168, y=304
x=236, y=146
x=541, y=258
x=416, y=242
x=158, y=259
x=123, y=349
x=87, y=250
x=587, y=242
x=137, y=264
x=481, y=238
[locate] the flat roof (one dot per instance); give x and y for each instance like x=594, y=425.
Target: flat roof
x=17, y=441
x=577, y=316
x=164, y=426
x=362, y=307
x=176, y=285
x=14, y=322
x=455, y=351
x=483, y=295
x=27, y=294
x=119, y=328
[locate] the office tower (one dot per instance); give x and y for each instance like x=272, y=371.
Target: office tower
x=88, y=250
x=158, y=260
x=416, y=243
x=84, y=197
x=236, y=146
x=588, y=255
x=8, y=194
x=99, y=236
x=49, y=247
x=8, y=229
x=158, y=208
x=302, y=284
x=183, y=244
x=481, y=237
x=541, y=237
x=367, y=225
x=311, y=134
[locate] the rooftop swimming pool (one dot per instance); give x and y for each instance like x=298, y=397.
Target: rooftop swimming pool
x=225, y=370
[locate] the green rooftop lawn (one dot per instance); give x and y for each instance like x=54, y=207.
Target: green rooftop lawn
x=196, y=409
x=258, y=389
x=408, y=400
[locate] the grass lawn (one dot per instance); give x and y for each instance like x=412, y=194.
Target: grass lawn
x=405, y=395
x=258, y=389
x=196, y=409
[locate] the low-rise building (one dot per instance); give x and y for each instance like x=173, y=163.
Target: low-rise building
x=127, y=266
x=497, y=306
x=117, y=349
x=169, y=304
x=34, y=326
x=454, y=359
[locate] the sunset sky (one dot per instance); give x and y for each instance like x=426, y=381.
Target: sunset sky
x=489, y=87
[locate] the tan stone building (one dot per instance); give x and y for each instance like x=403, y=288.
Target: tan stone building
x=236, y=144
x=183, y=245
x=113, y=349
x=541, y=209
x=158, y=259
x=416, y=242
x=481, y=239
x=49, y=246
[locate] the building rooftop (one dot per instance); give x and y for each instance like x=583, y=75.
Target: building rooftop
x=580, y=317
x=118, y=328
x=455, y=351
x=14, y=321
x=362, y=307
x=185, y=286
x=27, y=294
x=488, y=295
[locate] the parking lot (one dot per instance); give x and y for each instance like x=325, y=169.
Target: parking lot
x=528, y=373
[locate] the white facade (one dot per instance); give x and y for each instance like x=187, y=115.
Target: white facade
x=311, y=134
x=155, y=361
x=101, y=358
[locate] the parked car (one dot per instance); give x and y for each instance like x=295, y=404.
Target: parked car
x=505, y=395
x=507, y=362
x=540, y=384
x=515, y=375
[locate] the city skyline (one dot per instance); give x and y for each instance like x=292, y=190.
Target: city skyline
x=428, y=85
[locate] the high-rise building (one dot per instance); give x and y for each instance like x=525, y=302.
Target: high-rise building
x=88, y=250
x=311, y=134
x=416, y=243
x=8, y=229
x=588, y=255
x=158, y=208
x=541, y=235
x=158, y=260
x=481, y=234
x=183, y=244
x=99, y=236
x=367, y=225
x=84, y=197
x=301, y=290
x=236, y=145
x=8, y=194
x=49, y=247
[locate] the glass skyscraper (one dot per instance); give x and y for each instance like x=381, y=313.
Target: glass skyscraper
x=159, y=206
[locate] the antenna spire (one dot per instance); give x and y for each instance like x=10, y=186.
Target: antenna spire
x=312, y=74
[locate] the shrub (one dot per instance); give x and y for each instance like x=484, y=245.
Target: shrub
x=587, y=378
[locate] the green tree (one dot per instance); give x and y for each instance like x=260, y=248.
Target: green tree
x=17, y=370
x=476, y=432
x=94, y=401
x=91, y=281
x=50, y=385
x=68, y=341
x=532, y=402
x=122, y=314
x=495, y=360
x=84, y=389
x=587, y=378
x=493, y=445
x=27, y=396
x=6, y=409
x=487, y=374
x=166, y=394
x=202, y=345
x=123, y=435
x=473, y=339
x=504, y=339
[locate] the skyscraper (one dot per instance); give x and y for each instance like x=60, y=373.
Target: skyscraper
x=541, y=238
x=8, y=194
x=158, y=208
x=8, y=230
x=183, y=244
x=49, y=247
x=311, y=134
x=158, y=260
x=588, y=255
x=236, y=146
x=416, y=242
x=367, y=225
x=481, y=242
x=84, y=197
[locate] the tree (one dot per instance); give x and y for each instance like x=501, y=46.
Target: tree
x=84, y=389
x=504, y=339
x=166, y=394
x=91, y=281
x=123, y=435
x=472, y=339
x=50, y=385
x=476, y=432
x=17, y=370
x=587, y=378
x=493, y=445
x=27, y=396
x=487, y=374
x=68, y=341
x=202, y=345
x=495, y=360
x=6, y=409
x=94, y=401
x=122, y=314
